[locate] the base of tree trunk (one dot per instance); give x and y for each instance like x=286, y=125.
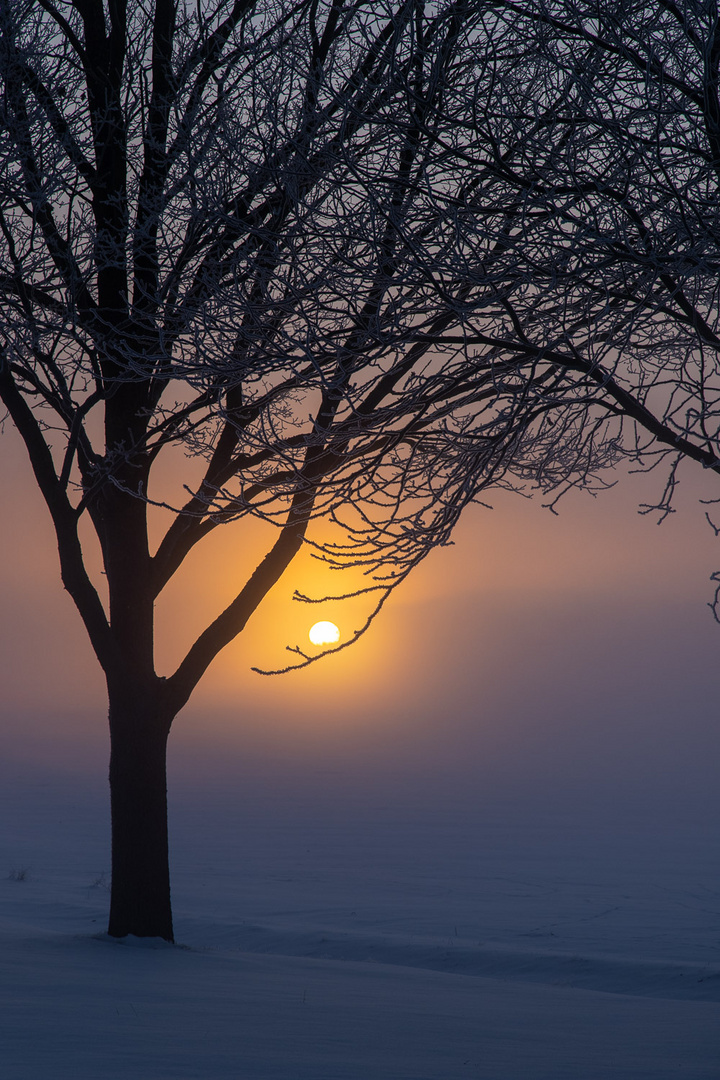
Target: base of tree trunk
x=140, y=890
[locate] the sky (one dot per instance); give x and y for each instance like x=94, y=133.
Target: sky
x=542, y=661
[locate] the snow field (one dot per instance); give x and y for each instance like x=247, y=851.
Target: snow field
x=383, y=944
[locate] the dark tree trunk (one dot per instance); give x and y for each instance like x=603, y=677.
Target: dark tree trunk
x=140, y=896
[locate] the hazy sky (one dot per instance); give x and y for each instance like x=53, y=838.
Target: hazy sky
x=541, y=657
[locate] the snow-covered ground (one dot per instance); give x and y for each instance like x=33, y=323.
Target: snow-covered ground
x=327, y=937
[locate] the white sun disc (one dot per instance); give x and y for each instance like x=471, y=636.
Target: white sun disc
x=324, y=633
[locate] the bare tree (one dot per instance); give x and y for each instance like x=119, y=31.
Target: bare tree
x=617, y=181
x=262, y=231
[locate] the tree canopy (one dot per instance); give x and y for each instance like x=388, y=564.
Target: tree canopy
x=283, y=236
x=622, y=201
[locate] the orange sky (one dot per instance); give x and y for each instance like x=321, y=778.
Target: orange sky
x=527, y=609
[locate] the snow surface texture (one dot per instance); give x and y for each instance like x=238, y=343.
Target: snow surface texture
x=326, y=941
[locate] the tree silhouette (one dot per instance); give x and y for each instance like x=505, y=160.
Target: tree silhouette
x=260, y=231
x=618, y=180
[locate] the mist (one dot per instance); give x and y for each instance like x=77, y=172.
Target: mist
x=543, y=664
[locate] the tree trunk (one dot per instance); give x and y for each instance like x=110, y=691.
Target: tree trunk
x=140, y=896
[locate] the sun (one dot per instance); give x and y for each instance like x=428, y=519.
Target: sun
x=324, y=633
